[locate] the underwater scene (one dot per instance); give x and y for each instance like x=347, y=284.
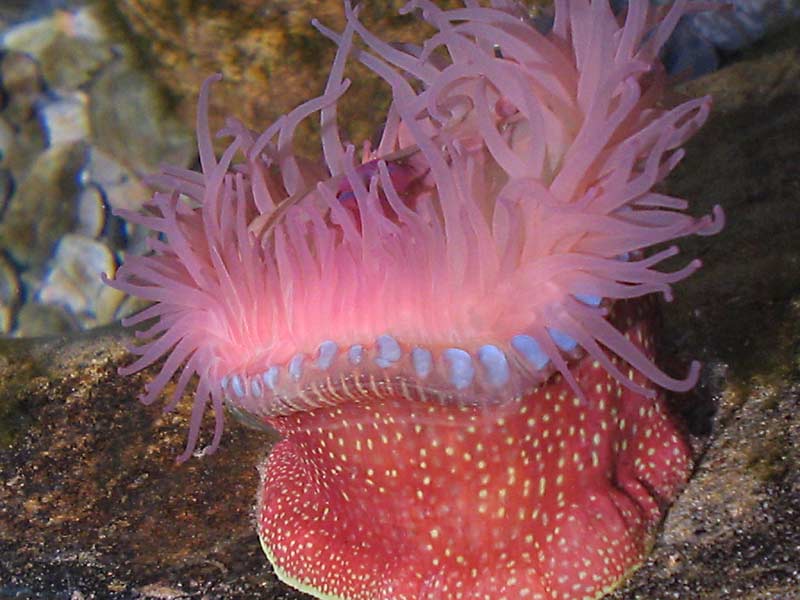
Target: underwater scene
x=469, y=299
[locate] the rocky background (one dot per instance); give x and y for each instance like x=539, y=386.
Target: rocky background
x=92, y=504
x=80, y=125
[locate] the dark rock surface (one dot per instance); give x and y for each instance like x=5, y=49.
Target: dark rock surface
x=735, y=531
x=92, y=504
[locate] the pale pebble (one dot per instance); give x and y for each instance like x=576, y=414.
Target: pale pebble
x=74, y=278
x=66, y=119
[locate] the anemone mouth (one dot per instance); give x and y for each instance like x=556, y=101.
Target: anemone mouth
x=390, y=369
x=491, y=376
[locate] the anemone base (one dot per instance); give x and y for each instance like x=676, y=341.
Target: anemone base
x=549, y=496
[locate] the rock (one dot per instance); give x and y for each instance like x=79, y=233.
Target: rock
x=702, y=40
x=92, y=212
x=37, y=320
x=131, y=121
x=270, y=56
x=745, y=22
x=69, y=62
x=12, y=10
x=74, y=279
x=108, y=307
x=6, y=319
x=93, y=503
x=6, y=188
x=9, y=294
x=34, y=35
x=7, y=135
x=65, y=120
x=129, y=306
x=100, y=493
x=121, y=187
x=43, y=208
x=22, y=82
x=84, y=22
x=21, y=141
x=30, y=36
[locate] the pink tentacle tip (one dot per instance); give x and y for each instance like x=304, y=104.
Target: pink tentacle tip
x=714, y=223
x=692, y=377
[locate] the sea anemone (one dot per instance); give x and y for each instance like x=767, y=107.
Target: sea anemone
x=452, y=332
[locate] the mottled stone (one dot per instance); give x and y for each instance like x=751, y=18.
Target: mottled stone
x=121, y=187
x=129, y=306
x=74, y=277
x=734, y=533
x=36, y=320
x=115, y=234
x=7, y=135
x=22, y=81
x=9, y=293
x=6, y=319
x=42, y=21
x=84, y=22
x=108, y=306
x=91, y=500
x=66, y=119
x=43, y=208
x=12, y=10
x=30, y=36
x=131, y=121
x=6, y=188
x=21, y=141
x=745, y=22
x=92, y=212
x=705, y=39
x=68, y=62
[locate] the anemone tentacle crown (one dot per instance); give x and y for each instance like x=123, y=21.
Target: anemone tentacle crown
x=452, y=330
